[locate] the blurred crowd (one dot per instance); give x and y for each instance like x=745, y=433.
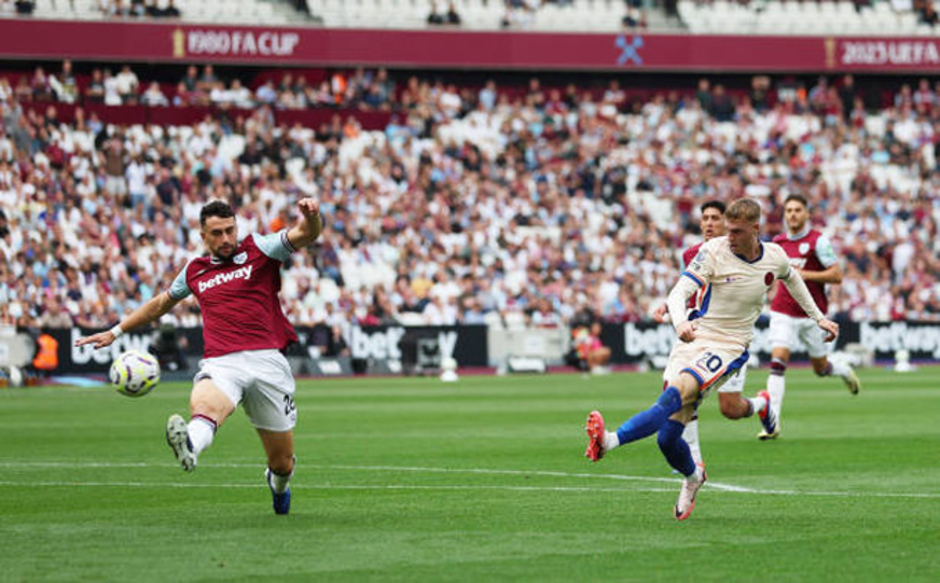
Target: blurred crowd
x=542, y=206
x=359, y=89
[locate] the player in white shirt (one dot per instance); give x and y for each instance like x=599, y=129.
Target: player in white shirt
x=736, y=272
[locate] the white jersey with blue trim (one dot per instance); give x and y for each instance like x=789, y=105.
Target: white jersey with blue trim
x=733, y=288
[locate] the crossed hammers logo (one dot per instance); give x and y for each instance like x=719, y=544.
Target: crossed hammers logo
x=630, y=50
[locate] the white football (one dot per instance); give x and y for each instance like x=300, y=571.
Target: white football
x=134, y=373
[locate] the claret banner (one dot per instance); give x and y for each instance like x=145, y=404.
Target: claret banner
x=28, y=39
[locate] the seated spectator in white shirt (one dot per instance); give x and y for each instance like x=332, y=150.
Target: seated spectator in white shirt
x=241, y=95
x=127, y=85
x=154, y=97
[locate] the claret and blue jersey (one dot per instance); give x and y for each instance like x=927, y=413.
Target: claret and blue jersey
x=238, y=297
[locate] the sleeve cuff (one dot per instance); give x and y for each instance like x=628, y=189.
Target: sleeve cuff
x=286, y=242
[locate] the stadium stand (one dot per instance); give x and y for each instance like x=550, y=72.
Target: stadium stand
x=216, y=11
x=804, y=18
x=833, y=17
x=468, y=204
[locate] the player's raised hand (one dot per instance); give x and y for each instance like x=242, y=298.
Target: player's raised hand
x=686, y=331
x=100, y=340
x=308, y=207
x=830, y=328
x=660, y=314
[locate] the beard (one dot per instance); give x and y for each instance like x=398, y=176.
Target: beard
x=225, y=253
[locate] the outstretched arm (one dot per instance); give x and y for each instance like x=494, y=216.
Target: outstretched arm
x=832, y=274
x=147, y=313
x=308, y=227
x=797, y=288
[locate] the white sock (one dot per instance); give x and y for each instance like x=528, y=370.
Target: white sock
x=201, y=431
x=839, y=369
x=756, y=404
x=611, y=441
x=776, y=386
x=279, y=482
x=690, y=435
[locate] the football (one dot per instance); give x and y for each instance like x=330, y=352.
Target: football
x=134, y=373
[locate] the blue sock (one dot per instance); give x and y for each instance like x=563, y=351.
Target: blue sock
x=675, y=448
x=648, y=422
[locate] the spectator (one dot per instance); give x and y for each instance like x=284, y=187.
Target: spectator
x=154, y=96
x=137, y=8
x=94, y=91
x=452, y=16
x=191, y=79
x=704, y=95
x=435, y=17
x=41, y=86
x=25, y=7
x=848, y=93
x=760, y=93
x=171, y=11
x=591, y=353
x=184, y=96
x=65, y=84
x=127, y=85
x=207, y=80
x=115, y=168
x=633, y=16
x=112, y=95
x=722, y=105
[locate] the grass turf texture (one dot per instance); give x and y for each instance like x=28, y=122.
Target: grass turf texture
x=482, y=480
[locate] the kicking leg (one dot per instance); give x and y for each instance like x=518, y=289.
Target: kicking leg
x=644, y=423
x=824, y=367
x=209, y=408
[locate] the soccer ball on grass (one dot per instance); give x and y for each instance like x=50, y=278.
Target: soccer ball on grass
x=134, y=373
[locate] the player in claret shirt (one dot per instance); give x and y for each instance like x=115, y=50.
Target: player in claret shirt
x=245, y=333
x=810, y=254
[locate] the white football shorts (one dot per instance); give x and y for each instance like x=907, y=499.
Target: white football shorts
x=718, y=367
x=260, y=380
x=795, y=333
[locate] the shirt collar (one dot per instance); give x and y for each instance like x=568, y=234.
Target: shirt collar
x=801, y=234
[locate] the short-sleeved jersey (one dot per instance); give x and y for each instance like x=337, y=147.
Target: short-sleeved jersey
x=734, y=289
x=239, y=297
x=812, y=251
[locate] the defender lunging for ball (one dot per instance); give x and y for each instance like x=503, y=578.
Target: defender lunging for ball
x=245, y=332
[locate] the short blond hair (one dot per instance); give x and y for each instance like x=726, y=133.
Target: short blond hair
x=743, y=209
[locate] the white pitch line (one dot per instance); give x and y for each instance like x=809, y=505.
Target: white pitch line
x=714, y=486
x=296, y=486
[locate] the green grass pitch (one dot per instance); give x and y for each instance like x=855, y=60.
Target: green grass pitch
x=481, y=480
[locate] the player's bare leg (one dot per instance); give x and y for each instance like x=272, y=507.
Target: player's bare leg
x=279, y=447
x=209, y=407
x=735, y=406
x=824, y=367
